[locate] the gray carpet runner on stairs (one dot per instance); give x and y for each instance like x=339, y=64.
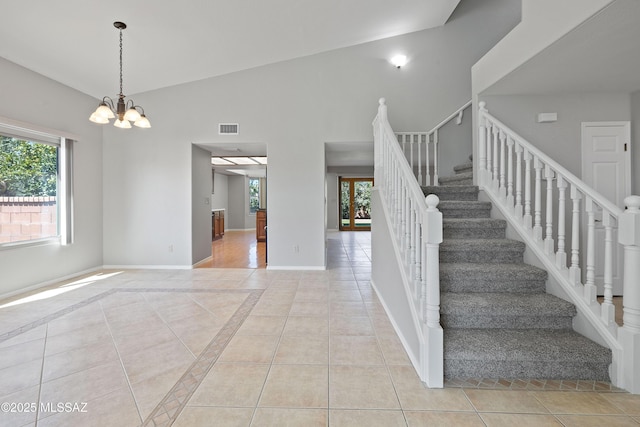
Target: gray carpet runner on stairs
x=498, y=320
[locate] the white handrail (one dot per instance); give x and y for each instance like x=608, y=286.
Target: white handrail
x=591, y=263
x=427, y=138
x=416, y=226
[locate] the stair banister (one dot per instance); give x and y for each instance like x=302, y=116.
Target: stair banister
x=547, y=239
x=427, y=138
x=416, y=227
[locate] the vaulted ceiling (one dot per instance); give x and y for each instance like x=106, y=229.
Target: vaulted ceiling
x=169, y=42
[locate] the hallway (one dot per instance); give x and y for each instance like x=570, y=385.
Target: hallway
x=249, y=347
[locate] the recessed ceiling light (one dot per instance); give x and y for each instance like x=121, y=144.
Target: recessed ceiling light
x=261, y=160
x=220, y=161
x=399, y=60
x=241, y=160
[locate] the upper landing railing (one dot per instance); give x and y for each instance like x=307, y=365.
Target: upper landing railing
x=421, y=148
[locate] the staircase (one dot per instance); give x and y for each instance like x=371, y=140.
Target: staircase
x=498, y=320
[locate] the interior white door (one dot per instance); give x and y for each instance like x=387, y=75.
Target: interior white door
x=606, y=166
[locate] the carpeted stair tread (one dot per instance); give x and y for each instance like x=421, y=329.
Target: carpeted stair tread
x=464, y=167
x=522, y=353
x=473, y=228
x=479, y=277
x=452, y=192
x=481, y=250
x=464, y=209
x=457, y=179
x=505, y=310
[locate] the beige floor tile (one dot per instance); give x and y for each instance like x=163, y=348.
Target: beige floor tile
x=20, y=353
x=84, y=318
x=196, y=339
x=596, y=421
x=264, y=308
x=629, y=403
x=155, y=360
x=262, y=325
x=137, y=337
x=347, y=308
x=368, y=418
x=414, y=395
x=149, y=392
x=30, y=335
x=306, y=326
x=505, y=401
x=355, y=350
x=295, y=386
x=203, y=416
x=114, y=409
x=442, y=419
x=231, y=384
x=560, y=402
x=19, y=377
x=361, y=387
x=520, y=420
x=79, y=359
x=349, y=325
x=393, y=351
x=345, y=295
x=309, y=308
x=252, y=349
x=86, y=385
x=16, y=415
x=81, y=337
x=312, y=295
x=269, y=417
x=301, y=350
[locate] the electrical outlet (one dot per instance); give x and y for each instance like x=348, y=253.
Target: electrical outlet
x=296, y=249
x=170, y=248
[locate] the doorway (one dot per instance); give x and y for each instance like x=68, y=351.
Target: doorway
x=355, y=203
x=606, y=167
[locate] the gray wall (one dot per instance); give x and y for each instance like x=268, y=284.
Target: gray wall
x=560, y=140
x=236, y=216
x=29, y=97
x=220, y=196
x=201, y=204
x=294, y=107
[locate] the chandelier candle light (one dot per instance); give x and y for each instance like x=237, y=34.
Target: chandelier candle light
x=126, y=111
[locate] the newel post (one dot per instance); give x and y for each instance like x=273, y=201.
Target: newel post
x=629, y=334
x=433, y=342
x=378, y=149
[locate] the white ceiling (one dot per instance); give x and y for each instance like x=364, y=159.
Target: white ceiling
x=170, y=42
x=601, y=55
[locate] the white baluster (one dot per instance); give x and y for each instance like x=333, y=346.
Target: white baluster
x=575, y=274
x=518, y=207
x=482, y=143
x=419, y=138
x=537, y=208
x=427, y=166
x=496, y=153
x=608, y=312
x=590, y=290
x=502, y=191
x=417, y=246
x=561, y=256
x=488, y=175
x=435, y=158
x=411, y=137
x=510, y=173
x=526, y=219
x=548, y=240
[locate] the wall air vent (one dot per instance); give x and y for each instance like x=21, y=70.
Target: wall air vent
x=228, y=129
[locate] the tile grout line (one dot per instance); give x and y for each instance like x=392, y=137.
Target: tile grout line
x=172, y=405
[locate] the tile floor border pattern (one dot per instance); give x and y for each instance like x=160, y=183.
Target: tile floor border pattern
x=532, y=385
x=170, y=407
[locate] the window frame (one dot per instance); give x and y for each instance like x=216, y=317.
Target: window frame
x=249, y=179
x=64, y=191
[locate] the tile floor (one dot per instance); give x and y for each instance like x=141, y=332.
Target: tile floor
x=242, y=347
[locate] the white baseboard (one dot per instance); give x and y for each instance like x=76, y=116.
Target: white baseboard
x=296, y=267
x=147, y=267
x=50, y=282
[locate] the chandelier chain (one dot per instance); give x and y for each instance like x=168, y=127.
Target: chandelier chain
x=120, y=62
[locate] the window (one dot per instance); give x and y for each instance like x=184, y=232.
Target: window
x=35, y=186
x=254, y=195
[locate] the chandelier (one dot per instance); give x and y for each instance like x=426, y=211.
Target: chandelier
x=125, y=110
